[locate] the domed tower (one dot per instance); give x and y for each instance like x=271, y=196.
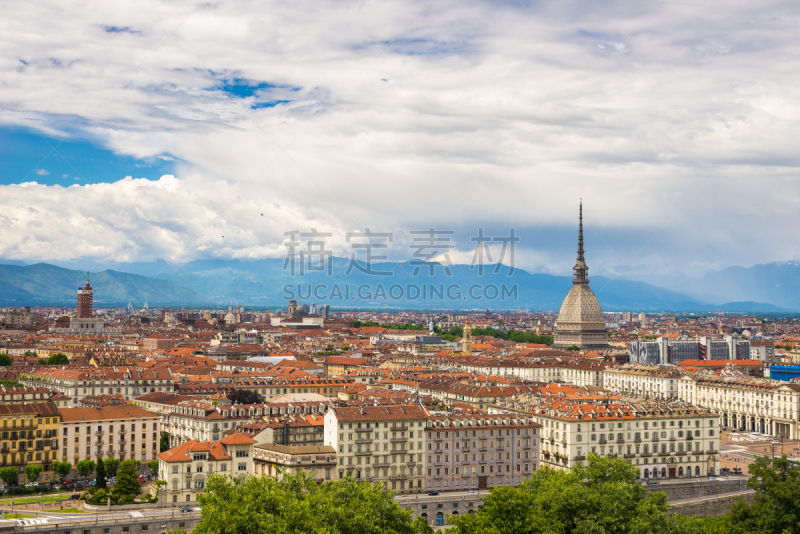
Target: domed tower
x=580, y=320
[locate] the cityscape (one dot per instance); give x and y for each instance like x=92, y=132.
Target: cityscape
x=399, y=267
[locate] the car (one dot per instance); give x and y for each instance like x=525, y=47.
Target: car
x=92, y=482
x=712, y=478
x=433, y=492
x=142, y=479
x=652, y=482
x=186, y=510
x=472, y=492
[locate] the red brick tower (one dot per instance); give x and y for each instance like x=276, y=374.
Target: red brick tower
x=85, y=299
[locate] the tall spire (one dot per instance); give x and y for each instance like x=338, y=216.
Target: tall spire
x=580, y=269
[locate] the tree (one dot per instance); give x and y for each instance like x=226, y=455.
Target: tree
x=5, y=360
x=421, y=526
x=58, y=359
x=62, y=469
x=602, y=497
x=9, y=475
x=111, y=465
x=30, y=354
x=164, y=442
x=128, y=480
x=153, y=466
x=85, y=468
x=245, y=396
x=573, y=348
x=100, y=475
x=296, y=503
x=775, y=510
x=33, y=472
x=9, y=383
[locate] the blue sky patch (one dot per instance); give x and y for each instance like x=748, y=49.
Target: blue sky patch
x=25, y=156
x=269, y=104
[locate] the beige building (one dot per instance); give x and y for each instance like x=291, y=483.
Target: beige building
x=187, y=467
x=124, y=432
x=319, y=461
x=662, y=438
x=648, y=380
x=478, y=451
x=380, y=444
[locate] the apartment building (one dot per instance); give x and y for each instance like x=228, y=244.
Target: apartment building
x=25, y=395
x=577, y=371
x=452, y=391
x=380, y=444
x=742, y=402
x=475, y=450
x=663, y=438
x=124, y=432
x=273, y=459
x=746, y=403
x=187, y=467
x=648, y=380
x=271, y=387
x=30, y=437
x=80, y=383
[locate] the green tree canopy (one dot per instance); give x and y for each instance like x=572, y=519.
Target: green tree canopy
x=62, y=469
x=58, y=359
x=128, y=479
x=111, y=465
x=777, y=503
x=9, y=475
x=164, y=442
x=153, y=466
x=296, y=503
x=85, y=468
x=33, y=472
x=100, y=475
x=10, y=384
x=5, y=360
x=602, y=497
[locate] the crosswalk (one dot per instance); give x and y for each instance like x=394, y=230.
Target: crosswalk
x=29, y=522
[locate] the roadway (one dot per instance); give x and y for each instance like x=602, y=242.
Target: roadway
x=43, y=518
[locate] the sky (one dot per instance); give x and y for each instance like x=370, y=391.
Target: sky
x=143, y=131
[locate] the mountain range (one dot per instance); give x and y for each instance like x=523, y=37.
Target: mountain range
x=768, y=288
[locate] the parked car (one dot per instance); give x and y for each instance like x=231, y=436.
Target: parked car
x=652, y=482
x=186, y=510
x=92, y=482
x=433, y=492
x=472, y=492
x=142, y=478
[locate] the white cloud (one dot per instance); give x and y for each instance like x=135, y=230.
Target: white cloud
x=675, y=126
x=42, y=172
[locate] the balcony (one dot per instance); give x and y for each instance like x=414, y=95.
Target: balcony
x=663, y=454
x=398, y=440
x=381, y=464
x=628, y=455
x=646, y=454
x=579, y=458
x=712, y=451
x=637, y=440
x=411, y=463
x=399, y=477
x=399, y=428
x=364, y=440
x=655, y=439
x=603, y=441
x=364, y=453
x=671, y=439
x=123, y=440
x=681, y=453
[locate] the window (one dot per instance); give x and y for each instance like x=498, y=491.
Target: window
x=242, y=467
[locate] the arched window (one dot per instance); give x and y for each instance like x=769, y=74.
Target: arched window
x=175, y=483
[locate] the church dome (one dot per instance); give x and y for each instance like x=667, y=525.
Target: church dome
x=580, y=306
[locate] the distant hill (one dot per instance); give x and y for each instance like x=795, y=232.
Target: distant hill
x=777, y=283
x=42, y=284
x=265, y=283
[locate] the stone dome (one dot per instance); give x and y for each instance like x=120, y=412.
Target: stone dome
x=230, y=318
x=580, y=306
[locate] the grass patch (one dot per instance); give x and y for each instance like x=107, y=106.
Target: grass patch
x=19, y=516
x=30, y=500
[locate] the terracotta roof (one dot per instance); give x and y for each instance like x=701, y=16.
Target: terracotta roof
x=105, y=413
x=237, y=439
